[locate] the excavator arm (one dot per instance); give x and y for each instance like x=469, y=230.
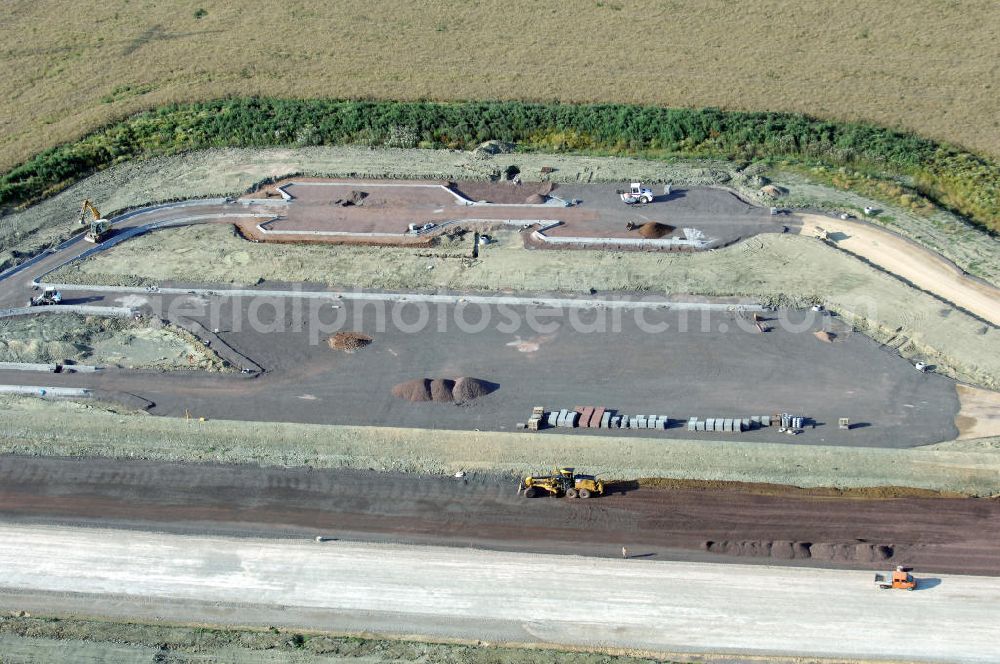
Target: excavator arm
x=88, y=208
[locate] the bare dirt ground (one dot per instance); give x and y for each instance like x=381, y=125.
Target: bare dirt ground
x=703, y=521
x=76, y=339
x=924, y=269
x=37, y=427
x=979, y=415
x=41, y=640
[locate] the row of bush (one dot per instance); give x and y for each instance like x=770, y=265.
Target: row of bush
x=961, y=181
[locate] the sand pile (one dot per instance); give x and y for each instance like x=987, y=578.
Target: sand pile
x=348, y=341
x=444, y=390
x=654, y=230
x=413, y=390
x=535, y=199
x=772, y=191
x=825, y=336
x=441, y=390
x=546, y=188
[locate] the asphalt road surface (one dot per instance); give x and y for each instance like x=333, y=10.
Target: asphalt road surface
x=650, y=362
x=948, y=535
x=500, y=596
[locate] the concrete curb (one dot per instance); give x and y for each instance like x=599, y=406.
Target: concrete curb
x=43, y=391
x=487, y=300
x=50, y=368
x=117, y=312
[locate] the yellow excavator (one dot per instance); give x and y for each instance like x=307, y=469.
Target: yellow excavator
x=99, y=228
x=562, y=482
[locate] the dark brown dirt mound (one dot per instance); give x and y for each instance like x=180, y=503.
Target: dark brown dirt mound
x=348, y=341
x=785, y=550
x=355, y=198
x=654, y=230
x=535, y=199
x=441, y=390
x=467, y=389
x=416, y=390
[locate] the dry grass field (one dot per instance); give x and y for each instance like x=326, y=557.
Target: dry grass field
x=925, y=65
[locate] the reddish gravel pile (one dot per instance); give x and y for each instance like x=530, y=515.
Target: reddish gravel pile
x=413, y=390
x=467, y=389
x=535, y=199
x=441, y=390
x=826, y=337
x=348, y=341
x=654, y=230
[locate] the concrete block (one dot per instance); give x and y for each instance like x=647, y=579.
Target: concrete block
x=605, y=420
x=641, y=421
x=700, y=425
x=553, y=419
x=693, y=424
x=765, y=420
x=745, y=422
x=633, y=423
x=710, y=424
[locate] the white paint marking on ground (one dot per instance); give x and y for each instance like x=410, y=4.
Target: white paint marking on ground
x=467, y=593
x=486, y=300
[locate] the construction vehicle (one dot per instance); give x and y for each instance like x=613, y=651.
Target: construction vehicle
x=563, y=482
x=99, y=228
x=636, y=195
x=49, y=296
x=898, y=579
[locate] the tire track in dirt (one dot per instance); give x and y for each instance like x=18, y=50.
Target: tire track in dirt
x=948, y=534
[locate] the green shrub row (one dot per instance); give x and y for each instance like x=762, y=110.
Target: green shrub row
x=950, y=177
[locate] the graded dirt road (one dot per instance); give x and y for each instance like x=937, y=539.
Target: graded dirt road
x=911, y=262
x=948, y=535
x=498, y=596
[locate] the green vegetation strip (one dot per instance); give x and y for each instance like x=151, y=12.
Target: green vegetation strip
x=59, y=428
x=944, y=175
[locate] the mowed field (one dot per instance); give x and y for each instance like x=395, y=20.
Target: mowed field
x=925, y=65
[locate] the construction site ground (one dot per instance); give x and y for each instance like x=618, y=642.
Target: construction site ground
x=770, y=268
x=390, y=206
x=54, y=427
x=693, y=521
x=697, y=364
x=640, y=604
x=102, y=341
x=233, y=171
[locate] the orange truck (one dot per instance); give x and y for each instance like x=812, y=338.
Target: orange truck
x=898, y=579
